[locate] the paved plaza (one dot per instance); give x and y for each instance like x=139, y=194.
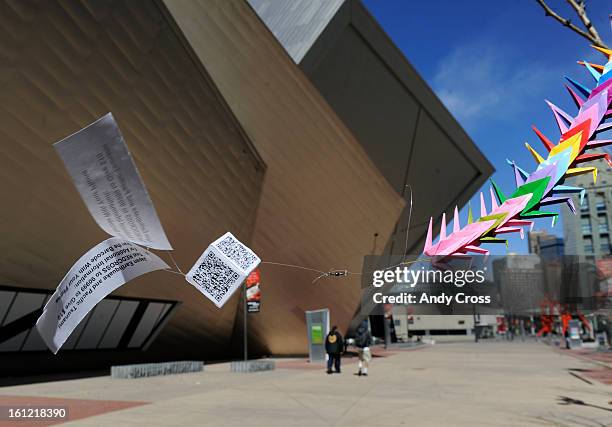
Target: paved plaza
x=462, y=383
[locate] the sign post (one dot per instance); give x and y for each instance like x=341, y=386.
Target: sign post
x=245, y=337
x=252, y=303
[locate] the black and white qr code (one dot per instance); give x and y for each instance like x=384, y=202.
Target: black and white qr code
x=237, y=252
x=215, y=277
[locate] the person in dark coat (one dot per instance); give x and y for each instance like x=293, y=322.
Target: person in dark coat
x=333, y=347
x=363, y=341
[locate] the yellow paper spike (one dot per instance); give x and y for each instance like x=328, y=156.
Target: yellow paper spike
x=534, y=153
x=596, y=66
x=604, y=51
x=582, y=171
x=572, y=143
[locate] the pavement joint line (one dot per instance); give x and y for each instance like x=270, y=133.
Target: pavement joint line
x=580, y=378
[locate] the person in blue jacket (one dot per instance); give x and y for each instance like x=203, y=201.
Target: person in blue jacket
x=363, y=341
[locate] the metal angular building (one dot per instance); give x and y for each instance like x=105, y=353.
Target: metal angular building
x=230, y=132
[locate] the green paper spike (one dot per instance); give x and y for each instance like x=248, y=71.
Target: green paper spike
x=538, y=214
x=536, y=189
x=500, y=196
x=470, y=215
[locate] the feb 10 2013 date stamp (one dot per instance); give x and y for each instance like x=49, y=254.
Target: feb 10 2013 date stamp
x=26, y=412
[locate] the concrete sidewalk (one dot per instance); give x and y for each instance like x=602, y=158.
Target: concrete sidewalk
x=454, y=384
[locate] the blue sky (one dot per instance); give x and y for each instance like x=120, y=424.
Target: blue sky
x=493, y=63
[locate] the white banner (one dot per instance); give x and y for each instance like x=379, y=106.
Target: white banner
x=105, y=175
x=223, y=266
x=96, y=274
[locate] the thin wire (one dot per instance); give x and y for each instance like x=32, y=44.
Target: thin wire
x=331, y=271
x=409, y=219
x=175, y=272
x=293, y=266
x=175, y=264
x=318, y=277
x=347, y=272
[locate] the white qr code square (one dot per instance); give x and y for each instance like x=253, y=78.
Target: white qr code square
x=222, y=268
x=216, y=278
x=242, y=256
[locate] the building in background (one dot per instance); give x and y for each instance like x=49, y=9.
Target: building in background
x=542, y=243
x=521, y=282
x=588, y=232
x=305, y=159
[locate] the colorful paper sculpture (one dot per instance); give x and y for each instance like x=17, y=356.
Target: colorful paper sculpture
x=546, y=185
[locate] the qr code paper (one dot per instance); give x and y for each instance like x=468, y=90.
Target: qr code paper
x=214, y=277
x=237, y=252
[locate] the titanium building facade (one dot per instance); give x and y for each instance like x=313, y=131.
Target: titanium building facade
x=230, y=133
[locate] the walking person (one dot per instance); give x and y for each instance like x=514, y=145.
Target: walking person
x=363, y=340
x=333, y=347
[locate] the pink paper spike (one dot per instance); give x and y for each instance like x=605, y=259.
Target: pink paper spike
x=476, y=249
x=483, y=208
x=462, y=256
x=559, y=116
x=519, y=222
x=493, y=200
x=429, y=239
x=604, y=126
x=443, y=227
x=456, y=225
x=598, y=143
x=577, y=99
x=502, y=230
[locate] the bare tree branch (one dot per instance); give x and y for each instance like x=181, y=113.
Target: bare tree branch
x=590, y=34
x=580, y=8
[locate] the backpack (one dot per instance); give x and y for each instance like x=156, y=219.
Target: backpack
x=361, y=340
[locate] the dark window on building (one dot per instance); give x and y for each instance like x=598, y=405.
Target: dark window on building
x=600, y=202
x=588, y=246
x=586, y=225
x=587, y=242
x=114, y=323
x=602, y=225
x=448, y=332
x=605, y=248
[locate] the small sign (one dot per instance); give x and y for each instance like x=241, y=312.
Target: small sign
x=316, y=334
x=253, y=292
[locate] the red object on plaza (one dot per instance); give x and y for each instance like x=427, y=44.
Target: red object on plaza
x=565, y=318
